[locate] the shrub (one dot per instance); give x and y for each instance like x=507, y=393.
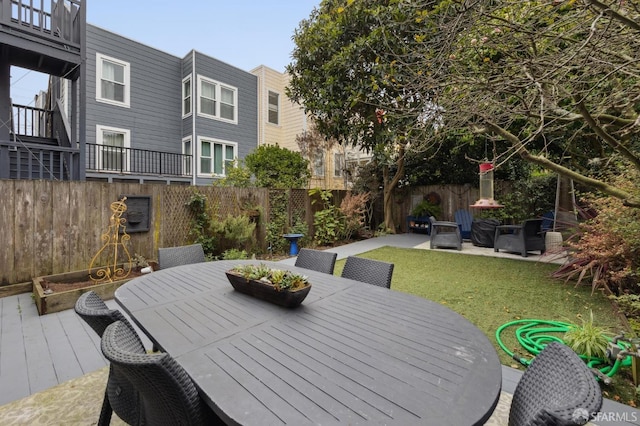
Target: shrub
x=607, y=247
x=328, y=222
x=353, y=209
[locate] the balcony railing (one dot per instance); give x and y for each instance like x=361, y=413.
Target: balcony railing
x=116, y=159
x=53, y=20
x=30, y=121
x=24, y=160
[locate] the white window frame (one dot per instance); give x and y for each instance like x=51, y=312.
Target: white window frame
x=218, y=99
x=189, y=95
x=213, y=141
x=127, y=81
x=277, y=108
x=187, y=164
x=318, y=164
x=338, y=166
x=100, y=129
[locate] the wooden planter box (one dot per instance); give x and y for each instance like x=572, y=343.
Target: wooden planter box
x=61, y=300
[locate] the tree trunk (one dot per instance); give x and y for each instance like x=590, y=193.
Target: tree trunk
x=388, y=186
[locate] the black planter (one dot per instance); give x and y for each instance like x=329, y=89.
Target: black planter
x=267, y=292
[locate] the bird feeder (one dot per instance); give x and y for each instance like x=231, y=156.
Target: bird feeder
x=486, y=200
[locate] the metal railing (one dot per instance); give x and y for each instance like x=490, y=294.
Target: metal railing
x=53, y=20
x=30, y=121
x=116, y=159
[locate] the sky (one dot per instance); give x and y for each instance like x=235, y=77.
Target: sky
x=243, y=33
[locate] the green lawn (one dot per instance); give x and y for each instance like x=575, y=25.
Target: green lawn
x=491, y=291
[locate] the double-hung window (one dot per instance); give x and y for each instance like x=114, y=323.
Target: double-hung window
x=274, y=108
x=318, y=164
x=188, y=152
x=217, y=100
x=338, y=165
x=113, y=148
x=186, y=96
x=215, y=157
x=112, y=81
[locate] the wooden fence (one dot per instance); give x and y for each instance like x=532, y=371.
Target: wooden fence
x=51, y=227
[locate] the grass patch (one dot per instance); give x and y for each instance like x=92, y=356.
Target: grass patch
x=491, y=291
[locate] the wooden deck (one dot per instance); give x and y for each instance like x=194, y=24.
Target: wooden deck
x=38, y=352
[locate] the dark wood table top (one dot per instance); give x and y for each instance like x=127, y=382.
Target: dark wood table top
x=352, y=353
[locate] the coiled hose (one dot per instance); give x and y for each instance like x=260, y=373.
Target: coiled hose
x=533, y=335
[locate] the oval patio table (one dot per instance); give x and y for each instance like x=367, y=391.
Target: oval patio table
x=351, y=353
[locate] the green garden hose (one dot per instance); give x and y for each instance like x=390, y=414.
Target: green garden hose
x=533, y=335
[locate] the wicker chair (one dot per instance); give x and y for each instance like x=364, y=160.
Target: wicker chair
x=368, y=271
x=520, y=238
x=167, y=394
x=445, y=234
x=316, y=260
x=169, y=257
x=92, y=309
x=556, y=389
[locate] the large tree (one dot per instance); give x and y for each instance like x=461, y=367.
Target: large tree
x=556, y=82
x=345, y=77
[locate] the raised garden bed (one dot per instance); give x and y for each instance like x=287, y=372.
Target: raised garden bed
x=68, y=286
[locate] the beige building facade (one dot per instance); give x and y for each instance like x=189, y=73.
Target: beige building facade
x=280, y=121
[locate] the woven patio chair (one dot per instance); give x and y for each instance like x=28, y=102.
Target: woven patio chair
x=520, y=238
x=317, y=260
x=167, y=393
x=92, y=309
x=368, y=271
x=445, y=234
x=169, y=257
x=556, y=389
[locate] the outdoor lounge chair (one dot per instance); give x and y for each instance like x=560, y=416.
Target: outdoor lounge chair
x=556, y=389
x=92, y=309
x=368, y=271
x=166, y=393
x=464, y=219
x=169, y=257
x=317, y=260
x=445, y=235
x=520, y=238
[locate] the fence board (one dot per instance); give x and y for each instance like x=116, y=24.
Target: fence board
x=24, y=254
x=7, y=236
x=61, y=211
x=79, y=224
x=44, y=230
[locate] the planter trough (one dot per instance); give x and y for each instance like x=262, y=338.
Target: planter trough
x=61, y=300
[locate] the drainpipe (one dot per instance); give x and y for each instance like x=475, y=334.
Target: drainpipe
x=194, y=100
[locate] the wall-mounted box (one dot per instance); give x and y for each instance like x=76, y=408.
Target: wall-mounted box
x=138, y=214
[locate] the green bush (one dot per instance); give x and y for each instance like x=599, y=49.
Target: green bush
x=201, y=223
x=329, y=222
x=234, y=232
x=234, y=254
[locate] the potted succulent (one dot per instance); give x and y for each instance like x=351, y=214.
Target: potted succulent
x=277, y=286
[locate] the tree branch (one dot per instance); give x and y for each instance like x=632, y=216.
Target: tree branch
x=550, y=165
x=611, y=141
x=614, y=15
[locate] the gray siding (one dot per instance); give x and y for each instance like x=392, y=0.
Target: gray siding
x=245, y=132
x=155, y=115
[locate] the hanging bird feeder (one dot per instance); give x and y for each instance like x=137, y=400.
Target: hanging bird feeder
x=486, y=200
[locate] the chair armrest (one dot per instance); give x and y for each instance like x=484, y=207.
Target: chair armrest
x=445, y=224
